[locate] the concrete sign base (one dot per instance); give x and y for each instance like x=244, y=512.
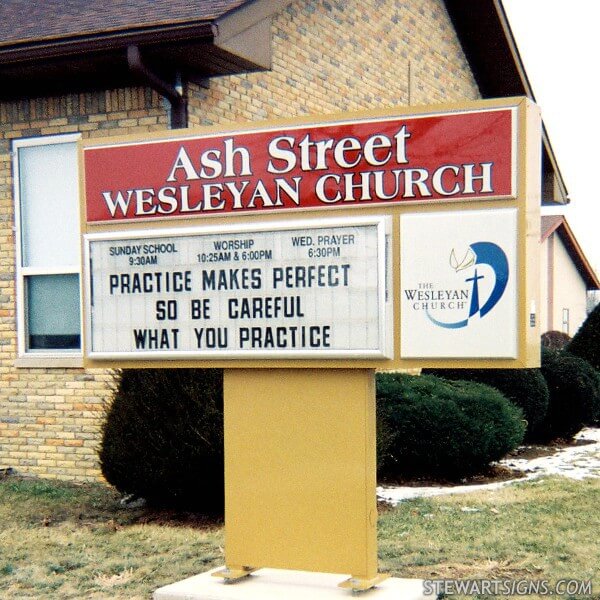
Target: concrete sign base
x=274, y=584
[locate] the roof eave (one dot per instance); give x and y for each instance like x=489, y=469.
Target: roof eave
x=246, y=30
x=562, y=228
x=98, y=42
x=579, y=258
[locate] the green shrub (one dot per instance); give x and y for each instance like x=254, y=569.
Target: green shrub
x=574, y=387
x=433, y=427
x=526, y=388
x=555, y=340
x=162, y=437
x=586, y=342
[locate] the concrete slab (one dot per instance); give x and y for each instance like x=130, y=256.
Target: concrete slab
x=275, y=584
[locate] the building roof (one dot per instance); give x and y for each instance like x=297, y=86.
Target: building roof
x=558, y=224
x=60, y=46
x=24, y=21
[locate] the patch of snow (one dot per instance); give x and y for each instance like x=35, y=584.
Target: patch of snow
x=577, y=462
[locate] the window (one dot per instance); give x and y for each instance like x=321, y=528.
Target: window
x=48, y=248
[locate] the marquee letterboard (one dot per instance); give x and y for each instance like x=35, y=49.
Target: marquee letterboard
x=286, y=290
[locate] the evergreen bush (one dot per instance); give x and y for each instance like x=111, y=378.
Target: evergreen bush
x=586, y=342
x=526, y=388
x=162, y=437
x=574, y=387
x=555, y=340
x=433, y=427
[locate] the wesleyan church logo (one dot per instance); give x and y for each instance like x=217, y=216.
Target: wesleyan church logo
x=481, y=279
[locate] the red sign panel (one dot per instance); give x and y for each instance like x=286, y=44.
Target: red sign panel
x=454, y=156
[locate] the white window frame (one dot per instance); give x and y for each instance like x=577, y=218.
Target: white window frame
x=39, y=358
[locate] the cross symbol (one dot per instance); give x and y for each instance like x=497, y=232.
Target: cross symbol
x=475, y=294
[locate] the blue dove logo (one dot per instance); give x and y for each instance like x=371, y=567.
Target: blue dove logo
x=479, y=253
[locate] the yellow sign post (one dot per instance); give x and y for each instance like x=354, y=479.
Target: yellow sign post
x=300, y=472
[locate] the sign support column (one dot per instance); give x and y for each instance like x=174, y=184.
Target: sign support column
x=300, y=472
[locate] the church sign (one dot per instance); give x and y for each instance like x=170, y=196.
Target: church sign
x=379, y=240
x=300, y=256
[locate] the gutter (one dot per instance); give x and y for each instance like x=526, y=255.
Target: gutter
x=177, y=99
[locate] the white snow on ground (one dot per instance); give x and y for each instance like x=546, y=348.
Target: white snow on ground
x=577, y=462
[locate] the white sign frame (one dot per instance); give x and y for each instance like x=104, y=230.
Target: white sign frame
x=385, y=346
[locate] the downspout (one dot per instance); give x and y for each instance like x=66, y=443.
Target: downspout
x=175, y=96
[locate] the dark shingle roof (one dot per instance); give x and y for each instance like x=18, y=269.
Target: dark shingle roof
x=35, y=20
x=50, y=47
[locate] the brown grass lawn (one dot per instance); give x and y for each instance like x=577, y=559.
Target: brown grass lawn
x=61, y=541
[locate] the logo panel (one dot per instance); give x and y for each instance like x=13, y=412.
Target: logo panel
x=458, y=285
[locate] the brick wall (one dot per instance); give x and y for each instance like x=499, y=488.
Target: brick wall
x=328, y=55
x=49, y=417
x=337, y=55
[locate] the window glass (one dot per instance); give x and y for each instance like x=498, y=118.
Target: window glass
x=53, y=315
x=49, y=205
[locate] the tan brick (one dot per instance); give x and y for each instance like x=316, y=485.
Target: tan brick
x=73, y=443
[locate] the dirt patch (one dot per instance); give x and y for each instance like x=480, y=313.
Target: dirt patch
x=488, y=569
x=536, y=450
x=6, y=472
x=492, y=474
x=174, y=518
